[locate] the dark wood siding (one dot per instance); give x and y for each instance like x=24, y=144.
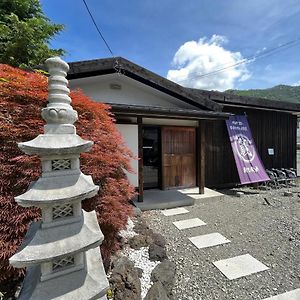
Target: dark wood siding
x=269, y=129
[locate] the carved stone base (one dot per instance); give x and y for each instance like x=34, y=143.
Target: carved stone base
x=89, y=283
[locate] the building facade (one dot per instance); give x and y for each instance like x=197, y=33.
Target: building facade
x=178, y=133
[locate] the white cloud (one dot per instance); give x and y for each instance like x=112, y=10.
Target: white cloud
x=194, y=59
x=296, y=83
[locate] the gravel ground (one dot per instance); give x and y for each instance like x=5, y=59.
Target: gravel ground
x=270, y=233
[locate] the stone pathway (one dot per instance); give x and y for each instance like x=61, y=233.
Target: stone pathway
x=291, y=295
x=189, y=223
x=239, y=266
x=209, y=240
x=174, y=211
x=234, y=267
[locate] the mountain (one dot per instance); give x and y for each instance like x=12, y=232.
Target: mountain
x=279, y=92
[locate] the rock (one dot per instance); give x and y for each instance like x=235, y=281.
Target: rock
x=136, y=211
x=165, y=273
x=140, y=272
x=140, y=226
x=138, y=241
x=157, y=253
x=18, y=291
x=239, y=194
x=124, y=280
x=157, y=292
x=158, y=239
x=287, y=194
x=120, y=239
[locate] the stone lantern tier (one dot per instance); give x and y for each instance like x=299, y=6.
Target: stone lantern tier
x=58, y=190
x=45, y=243
x=86, y=283
x=56, y=144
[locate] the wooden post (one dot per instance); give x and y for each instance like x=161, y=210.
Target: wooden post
x=201, y=156
x=140, y=162
x=163, y=179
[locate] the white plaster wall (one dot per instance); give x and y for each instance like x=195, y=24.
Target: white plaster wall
x=131, y=92
x=130, y=136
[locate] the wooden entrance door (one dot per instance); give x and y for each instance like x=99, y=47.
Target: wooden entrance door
x=178, y=157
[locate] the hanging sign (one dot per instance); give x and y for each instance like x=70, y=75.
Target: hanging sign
x=248, y=162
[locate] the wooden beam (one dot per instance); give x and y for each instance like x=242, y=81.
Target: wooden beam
x=140, y=162
x=201, y=156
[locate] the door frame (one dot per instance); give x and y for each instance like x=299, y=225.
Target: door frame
x=199, y=159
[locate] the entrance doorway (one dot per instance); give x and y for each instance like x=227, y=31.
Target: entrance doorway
x=151, y=157
x=169, y=157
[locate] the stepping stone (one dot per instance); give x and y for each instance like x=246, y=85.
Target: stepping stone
x=190, y=223
x=209, y=240
x=239, y=266
x=174, y=211
x=291, y=295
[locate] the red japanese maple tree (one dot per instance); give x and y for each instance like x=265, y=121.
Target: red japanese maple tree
x=22, y=95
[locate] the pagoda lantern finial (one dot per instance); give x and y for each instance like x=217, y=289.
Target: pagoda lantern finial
x=59, y=114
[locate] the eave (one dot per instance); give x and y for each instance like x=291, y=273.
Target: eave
x=227, y=99
x=160, y=112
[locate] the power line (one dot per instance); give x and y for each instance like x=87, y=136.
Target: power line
x=99, y=31
x=249, y=59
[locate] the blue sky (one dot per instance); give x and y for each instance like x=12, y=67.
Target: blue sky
x=159, y=35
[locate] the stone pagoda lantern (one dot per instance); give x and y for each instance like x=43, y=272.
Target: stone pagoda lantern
x=61, y=252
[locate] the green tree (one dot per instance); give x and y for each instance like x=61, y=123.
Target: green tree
x=25, y=33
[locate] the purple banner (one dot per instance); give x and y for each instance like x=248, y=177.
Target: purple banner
x=248, y=162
